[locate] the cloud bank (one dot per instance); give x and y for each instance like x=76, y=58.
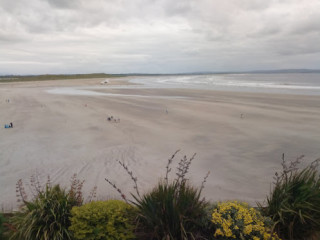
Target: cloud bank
x=157, y=36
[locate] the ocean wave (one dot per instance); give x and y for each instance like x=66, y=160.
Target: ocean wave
x=250, y=82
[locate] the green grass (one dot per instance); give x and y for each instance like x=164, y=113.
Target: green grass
x=8, y=79
x=171, y=211
x=46, y=217
x=294, y=203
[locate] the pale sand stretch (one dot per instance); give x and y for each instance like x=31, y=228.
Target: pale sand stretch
x=61, y=135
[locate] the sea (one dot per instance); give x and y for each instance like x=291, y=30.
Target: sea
x=281, y=83
x=290, y=83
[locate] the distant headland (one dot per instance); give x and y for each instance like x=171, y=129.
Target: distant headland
x=24, y=78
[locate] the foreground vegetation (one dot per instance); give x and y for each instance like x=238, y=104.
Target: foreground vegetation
x=294, y=203
x=173, y=209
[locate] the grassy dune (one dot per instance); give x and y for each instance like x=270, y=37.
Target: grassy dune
x=14, y=78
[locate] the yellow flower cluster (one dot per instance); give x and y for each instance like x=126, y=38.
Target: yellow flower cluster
x=235, y=220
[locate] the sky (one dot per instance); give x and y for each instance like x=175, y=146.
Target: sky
x=157, y=36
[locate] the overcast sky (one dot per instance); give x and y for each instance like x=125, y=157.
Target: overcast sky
x=157, y=36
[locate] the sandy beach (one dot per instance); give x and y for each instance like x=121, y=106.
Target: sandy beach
x=238, y=137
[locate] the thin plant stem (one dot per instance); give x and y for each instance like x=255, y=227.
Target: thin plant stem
x=168, y=168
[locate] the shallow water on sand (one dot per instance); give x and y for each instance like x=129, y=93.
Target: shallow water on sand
x=293, y=83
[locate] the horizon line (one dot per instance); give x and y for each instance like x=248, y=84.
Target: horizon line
x=293, y=70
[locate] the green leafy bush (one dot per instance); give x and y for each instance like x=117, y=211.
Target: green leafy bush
x=235, y=220
x=46, y=217
x=102, y=220
x=294, y=203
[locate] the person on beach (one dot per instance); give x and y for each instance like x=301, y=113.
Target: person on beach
x=8, y=125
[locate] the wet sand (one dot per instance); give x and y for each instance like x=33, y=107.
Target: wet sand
x=238, y=137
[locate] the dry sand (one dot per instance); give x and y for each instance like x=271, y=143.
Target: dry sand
x=59, y=135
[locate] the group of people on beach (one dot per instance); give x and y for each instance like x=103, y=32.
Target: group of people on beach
x=112, y=119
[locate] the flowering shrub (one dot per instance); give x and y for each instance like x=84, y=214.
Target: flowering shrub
x=234, y=220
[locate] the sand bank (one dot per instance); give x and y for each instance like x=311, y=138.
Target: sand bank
x=239, y=137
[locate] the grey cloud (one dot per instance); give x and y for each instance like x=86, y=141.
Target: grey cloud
x=65, y=3
x=157, y=35
x=176, y=8
x=10, y=38
x=298, y=46
x=256, y=5
x=309, y=24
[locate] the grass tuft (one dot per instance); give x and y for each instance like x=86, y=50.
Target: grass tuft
x=173, y=209
x=294, y=202
x=47, y=215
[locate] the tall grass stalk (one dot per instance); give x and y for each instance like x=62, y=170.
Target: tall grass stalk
x=46, y=215
x=172, y=209
x=294, y=202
